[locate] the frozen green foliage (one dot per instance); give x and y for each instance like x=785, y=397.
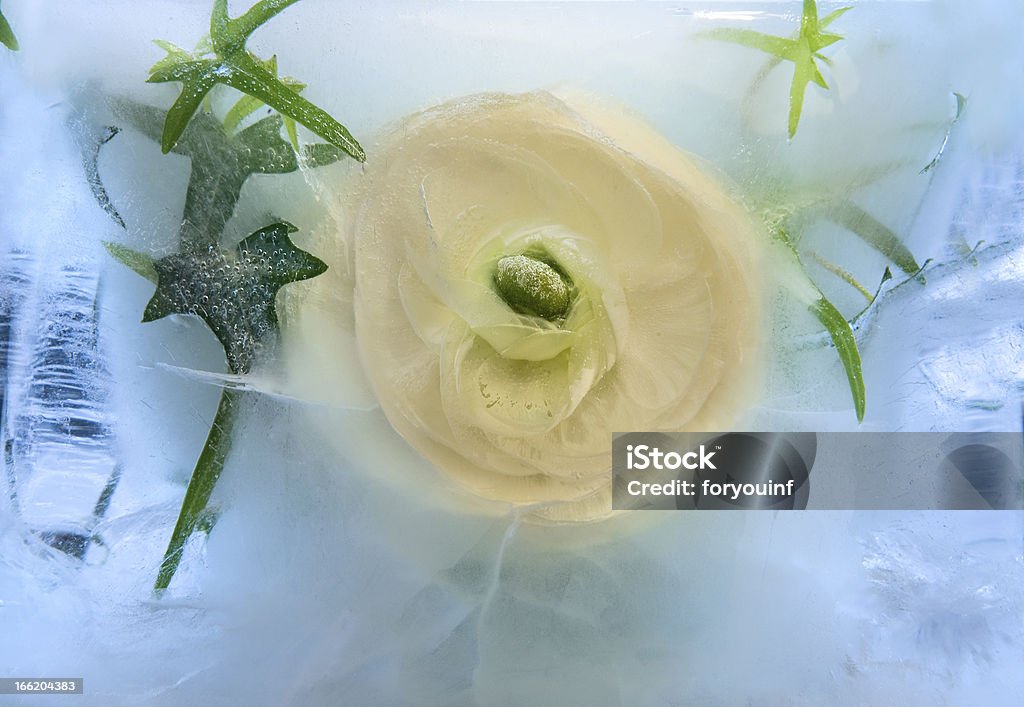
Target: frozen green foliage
x=7, y=37
x=228, y=62
x=804, y=50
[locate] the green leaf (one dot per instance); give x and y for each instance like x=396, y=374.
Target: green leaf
x=293, y=133
x=820, y=41
x=234, y=66
x=248, y=76
x=809, y=19
x=846, y=345
x=873, y=232
x=197, y=79
x=231, y=35
x=801, y=76
x=803, y=51
x=139, y=262
x=247, y=105
x=839, y=330
x=816, y=76
x=320, y=155
x=7, y=37
x=187, y=70
x=776, y=46
x=833, y=16
x=233, y=291
x=175, y=55
x=221, y=163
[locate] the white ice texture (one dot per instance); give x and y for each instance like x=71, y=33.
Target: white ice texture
x=324, y=583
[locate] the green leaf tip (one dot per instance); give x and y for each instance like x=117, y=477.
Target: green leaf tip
x=833, y=16
x=7, y=37
x=841, y=333
x=138, y=262
x=802, y=49
x=234, y=66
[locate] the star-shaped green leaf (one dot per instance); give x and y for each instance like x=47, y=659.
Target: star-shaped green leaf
x=802, y=50
x=232, y=65
x=221, y=163
x=7, y=37
x=233, y=291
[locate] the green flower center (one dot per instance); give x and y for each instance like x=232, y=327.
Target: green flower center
x=533, y=286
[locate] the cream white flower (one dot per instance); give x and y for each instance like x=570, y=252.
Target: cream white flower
x=531, y=274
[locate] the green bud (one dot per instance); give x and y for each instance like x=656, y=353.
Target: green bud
x=531, y=286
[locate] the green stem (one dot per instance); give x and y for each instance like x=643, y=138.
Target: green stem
x=200, y=486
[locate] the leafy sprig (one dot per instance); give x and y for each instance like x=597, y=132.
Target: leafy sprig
x=7, y=37
x=222, y=161
x=232, y=289
x=234, y=292
x=803, y=50
x=835, y=324
x=228, y=62
x=786, y=227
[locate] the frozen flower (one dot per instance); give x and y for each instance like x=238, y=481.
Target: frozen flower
x=531, y=274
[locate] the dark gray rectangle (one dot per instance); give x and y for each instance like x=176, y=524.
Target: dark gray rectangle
x=818, y=471
x=41, y=686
